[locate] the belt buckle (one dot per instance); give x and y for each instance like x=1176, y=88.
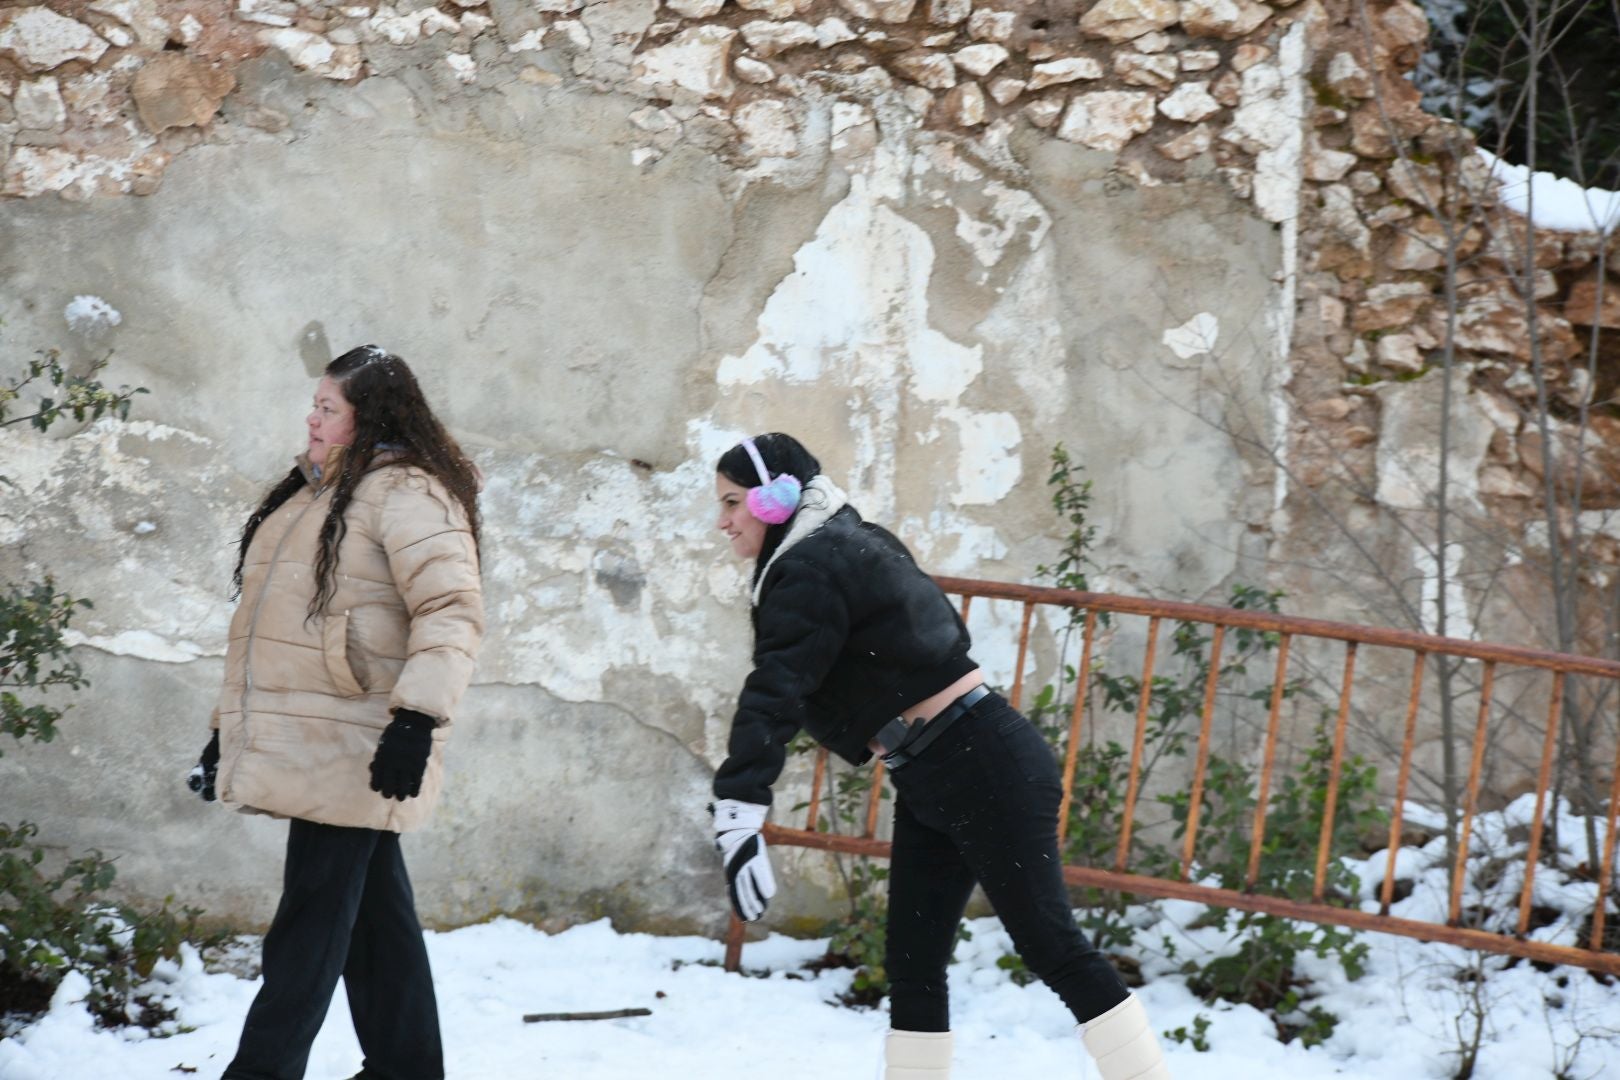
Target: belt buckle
x=893, y=735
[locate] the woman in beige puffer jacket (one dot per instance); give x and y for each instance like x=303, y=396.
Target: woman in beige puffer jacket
x=356, y=635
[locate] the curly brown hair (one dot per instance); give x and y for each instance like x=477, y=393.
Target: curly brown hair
x=390, y=416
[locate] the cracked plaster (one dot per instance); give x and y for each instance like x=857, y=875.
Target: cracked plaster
x=931, y=315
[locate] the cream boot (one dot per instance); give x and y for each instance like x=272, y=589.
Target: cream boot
x=917, y=1055
x=1123, y=1045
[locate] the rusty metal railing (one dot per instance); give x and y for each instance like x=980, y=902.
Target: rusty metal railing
x=1292, y=635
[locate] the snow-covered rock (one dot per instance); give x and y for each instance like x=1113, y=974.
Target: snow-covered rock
x=1346, y=76
x=39, y=39
x=988, y=25
x=964, y=105
x=1006, y=90
x=696, y=60
x=1188, y=144
x=1121, y=20
x=1224, y=19
x=38, y=105
x=1066, y=70
x=313, y=53
x=691, y=9
x=886, y=11
x=1190, y=102
x=1107, y=119
x=750, y=70
x=776, y=9
x=1157, y=71
x=933, y=70
x=980, y=59
x=771, y=38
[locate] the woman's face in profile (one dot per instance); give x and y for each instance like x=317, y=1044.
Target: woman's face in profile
x=745, y=531
x=330, y=421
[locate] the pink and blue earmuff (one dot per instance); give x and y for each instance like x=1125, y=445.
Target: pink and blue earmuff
x=774, y=501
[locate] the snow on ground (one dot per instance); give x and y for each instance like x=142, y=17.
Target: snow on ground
x=1557, y=203
x=1397, y=1021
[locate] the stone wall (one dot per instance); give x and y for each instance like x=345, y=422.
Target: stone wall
x=934, y=239
x=1413, y=261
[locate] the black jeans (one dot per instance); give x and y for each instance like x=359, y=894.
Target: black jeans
x=346, y=909
x=980, y=805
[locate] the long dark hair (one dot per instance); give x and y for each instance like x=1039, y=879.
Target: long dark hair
x=390, y=416
x=782, y=454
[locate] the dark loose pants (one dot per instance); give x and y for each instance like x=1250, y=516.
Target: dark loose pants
x=980, y=806
x=346, y=909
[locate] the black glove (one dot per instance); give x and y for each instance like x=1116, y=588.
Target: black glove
x=201, y=778
x=402, y=755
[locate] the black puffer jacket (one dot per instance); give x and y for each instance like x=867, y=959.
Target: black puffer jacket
x=847, y=632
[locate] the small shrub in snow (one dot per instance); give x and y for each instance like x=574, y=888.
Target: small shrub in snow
x=53, y=923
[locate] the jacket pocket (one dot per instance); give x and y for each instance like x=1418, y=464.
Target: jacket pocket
x=335, y=648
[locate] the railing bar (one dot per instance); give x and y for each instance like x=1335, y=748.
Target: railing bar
x=1071, y=756
x=1600, y=909
x=1475, y=766
x=1326, y=840
x=1249, y=619
x=1408, y=742
x=874, y=801
x=735, y=930
x=1138, y=884
x=1278, y=685
x=1098, y=878
x=1097, y=605
x=1144, y=697
x=1202, y=763
x=1483, y=940
x=1023, y=652
x=812, y=823
x=1555, y=708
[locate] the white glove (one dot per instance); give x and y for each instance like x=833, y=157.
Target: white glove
x=742, y=849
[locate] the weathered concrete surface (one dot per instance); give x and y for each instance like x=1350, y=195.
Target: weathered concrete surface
x=528, y=777
x=1158, y=430
x=450, y=244
x=497, y=273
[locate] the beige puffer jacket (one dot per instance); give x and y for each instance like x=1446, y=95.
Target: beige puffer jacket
x=305, y=698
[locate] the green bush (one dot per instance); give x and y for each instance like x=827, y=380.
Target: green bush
x=52, y=923
x=1197, y=1038
x=79, y=396
x=1261, y=970
x=33, y=657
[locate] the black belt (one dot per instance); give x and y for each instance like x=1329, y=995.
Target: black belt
x=903, y=742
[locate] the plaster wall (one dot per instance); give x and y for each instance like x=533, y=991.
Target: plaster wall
x=930, y=313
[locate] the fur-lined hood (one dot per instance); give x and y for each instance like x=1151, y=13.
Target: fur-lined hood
x=820, y=501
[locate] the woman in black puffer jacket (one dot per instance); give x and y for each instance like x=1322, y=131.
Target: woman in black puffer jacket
x=856, y=645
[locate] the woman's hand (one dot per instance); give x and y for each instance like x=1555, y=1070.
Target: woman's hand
x=201, y=777
x=749, y=880
x=402, y=755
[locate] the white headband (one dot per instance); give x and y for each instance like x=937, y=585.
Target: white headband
x=759, y=462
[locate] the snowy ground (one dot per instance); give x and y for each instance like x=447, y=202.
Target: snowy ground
x=1397, y=1021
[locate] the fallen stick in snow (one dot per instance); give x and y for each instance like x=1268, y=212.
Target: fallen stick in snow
x=610, y=1014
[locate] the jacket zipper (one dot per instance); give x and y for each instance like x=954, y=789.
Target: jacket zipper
x=253, y=626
